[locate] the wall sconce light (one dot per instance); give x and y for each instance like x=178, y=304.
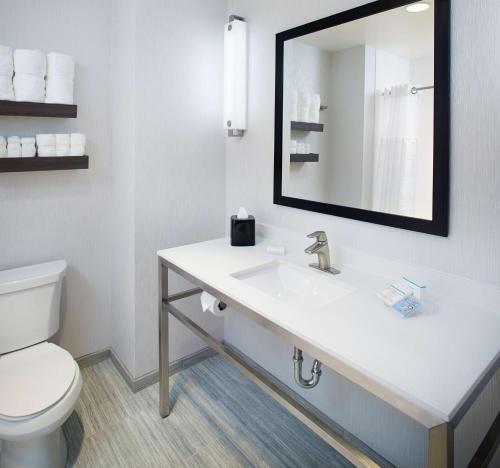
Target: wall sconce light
x=235, y=76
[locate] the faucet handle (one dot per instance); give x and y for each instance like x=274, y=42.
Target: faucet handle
x=319, y=235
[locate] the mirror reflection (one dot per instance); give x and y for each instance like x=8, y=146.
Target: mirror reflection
x=358, y=108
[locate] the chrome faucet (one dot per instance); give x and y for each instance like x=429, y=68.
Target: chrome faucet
x=320, y=247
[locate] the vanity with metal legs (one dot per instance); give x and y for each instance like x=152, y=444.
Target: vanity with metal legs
x=440, y=429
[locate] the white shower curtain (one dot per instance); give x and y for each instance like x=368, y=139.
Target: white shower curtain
x=394, y=175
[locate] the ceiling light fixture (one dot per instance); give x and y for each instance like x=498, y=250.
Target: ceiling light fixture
x=418, y=7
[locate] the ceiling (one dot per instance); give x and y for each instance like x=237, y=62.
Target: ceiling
x=408, y=35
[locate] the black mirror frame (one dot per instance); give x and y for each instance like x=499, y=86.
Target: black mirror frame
x=439, y=225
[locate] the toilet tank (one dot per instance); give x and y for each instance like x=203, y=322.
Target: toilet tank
x=30, y=304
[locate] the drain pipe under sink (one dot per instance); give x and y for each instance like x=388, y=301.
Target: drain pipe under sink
x=297, y=370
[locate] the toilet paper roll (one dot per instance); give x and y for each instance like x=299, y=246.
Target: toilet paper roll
x=211, y=304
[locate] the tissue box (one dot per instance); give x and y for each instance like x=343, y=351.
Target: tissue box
x=242, y=231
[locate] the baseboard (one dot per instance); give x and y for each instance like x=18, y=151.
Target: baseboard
x=137, y=384
x=93, y=358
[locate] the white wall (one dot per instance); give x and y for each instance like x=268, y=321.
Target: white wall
x=65, y=214
x=475, y=195
x=179, y=167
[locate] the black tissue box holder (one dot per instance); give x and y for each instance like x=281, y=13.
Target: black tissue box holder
x=242, y=231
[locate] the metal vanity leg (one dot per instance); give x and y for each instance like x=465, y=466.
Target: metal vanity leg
x=441, y=449
x=163, y=339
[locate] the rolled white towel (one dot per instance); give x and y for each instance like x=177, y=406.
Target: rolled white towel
x=77, y=150
x=60, y=65
x=28, y=150
x=6, y=89
x=30, y=62
x=6, y=62
x=46, y=139
x=78, y=139
x=27, y=141
x=59, y=90
x=13, y=140
x=46, y=151
x=62, y=150
x=29, y=88
x=13, y=150
x=62, y=139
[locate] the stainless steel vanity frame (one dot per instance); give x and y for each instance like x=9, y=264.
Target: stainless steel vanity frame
x=440, y=432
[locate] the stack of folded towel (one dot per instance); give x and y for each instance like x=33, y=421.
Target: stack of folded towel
x=62, y=144
x=29, y=77
x=46, y=144
x=6, y=72
x=3, y=147
x=28, y=149
x=13, y=147
x=77, y=144
x=60, y=76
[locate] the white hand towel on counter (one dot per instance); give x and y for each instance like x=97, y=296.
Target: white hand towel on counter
x=60, y=65
x=29, y=88
x=59, y=90
x=30, y=62
x=6, y=61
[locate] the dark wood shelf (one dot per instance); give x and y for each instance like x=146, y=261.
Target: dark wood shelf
x=38, y=109
x=311, y=157
x=307, y=126
x=56, y=163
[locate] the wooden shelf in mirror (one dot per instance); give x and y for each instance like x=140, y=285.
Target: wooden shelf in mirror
x=310, y=157
x=38, y=109
x=307, y=126
x=56, y=163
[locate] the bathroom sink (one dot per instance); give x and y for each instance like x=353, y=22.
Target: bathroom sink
x=295, y=284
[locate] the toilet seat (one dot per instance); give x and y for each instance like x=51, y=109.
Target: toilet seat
x=33, y=380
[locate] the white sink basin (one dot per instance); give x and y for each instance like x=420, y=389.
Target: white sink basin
x=294, y=284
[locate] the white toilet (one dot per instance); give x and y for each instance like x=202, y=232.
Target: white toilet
x=39, y=382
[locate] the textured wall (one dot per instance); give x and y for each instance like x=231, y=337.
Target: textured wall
x=50, y=215
x=475, y=195
x=179, y=169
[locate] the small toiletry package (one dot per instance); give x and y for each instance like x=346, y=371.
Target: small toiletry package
x=242, y=229
x=402, y=296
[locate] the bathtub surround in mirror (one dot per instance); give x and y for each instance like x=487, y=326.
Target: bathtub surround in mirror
x=362, y=116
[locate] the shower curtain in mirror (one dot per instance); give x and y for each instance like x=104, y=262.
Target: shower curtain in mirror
x=394, y=175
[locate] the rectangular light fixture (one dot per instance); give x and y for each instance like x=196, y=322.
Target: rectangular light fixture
x=235, y=76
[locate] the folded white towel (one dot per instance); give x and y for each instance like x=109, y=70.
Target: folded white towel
x=60, y=65
x=62, y=139
x=3, y=151
x=303, y=99
x=77, y=150
x=13, y=150
x=45, y=139
x=29, y=88
x=27, y=140
x=6, y=88
x=30, y=62
x=59, y=90
x=46, y=151
x=13, y=140
x=62, y=150
x=78, y=139
x=28, y=151
x=6, y=62
x=3, y=141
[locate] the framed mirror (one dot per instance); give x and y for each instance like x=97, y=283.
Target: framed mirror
x=362, y=115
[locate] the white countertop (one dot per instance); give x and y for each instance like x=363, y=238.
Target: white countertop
x=432, y=360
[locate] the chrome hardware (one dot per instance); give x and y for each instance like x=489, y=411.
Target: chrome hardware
x=297, y=370
x=320, y=248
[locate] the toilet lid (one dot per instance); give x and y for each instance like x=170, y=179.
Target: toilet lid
x=33, y=379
